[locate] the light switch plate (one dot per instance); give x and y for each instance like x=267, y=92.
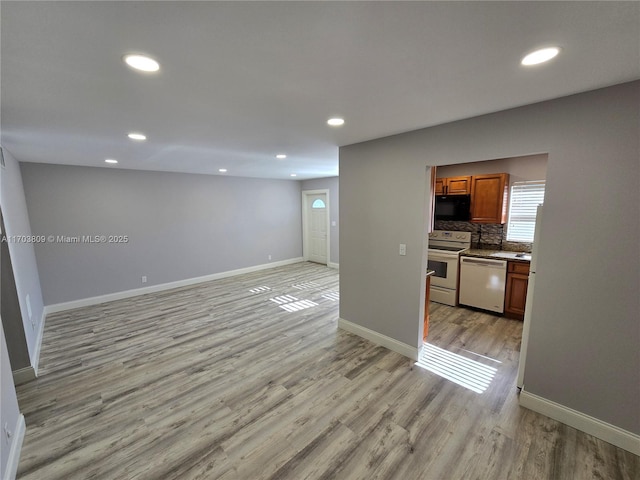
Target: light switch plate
x=403, y=249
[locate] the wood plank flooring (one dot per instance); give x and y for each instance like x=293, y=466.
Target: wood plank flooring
x=249, y=378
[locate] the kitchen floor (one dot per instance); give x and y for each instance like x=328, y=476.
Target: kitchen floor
x=477, y=350
x=487, y=334
x=249, y=378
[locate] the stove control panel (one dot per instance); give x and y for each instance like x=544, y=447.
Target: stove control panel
x=450, y=236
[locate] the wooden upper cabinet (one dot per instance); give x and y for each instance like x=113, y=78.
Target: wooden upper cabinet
x=453, y=186
x=489, y=198
x=458, y=185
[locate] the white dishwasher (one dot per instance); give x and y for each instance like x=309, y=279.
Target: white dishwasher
x=482, y=283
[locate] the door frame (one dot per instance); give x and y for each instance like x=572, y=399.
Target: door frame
x=306, y=198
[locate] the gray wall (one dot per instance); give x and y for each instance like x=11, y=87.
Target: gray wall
x=382, y=204
x=9, y=412
x=331, y=184
x=583, y=351
x=16, y=222
x=180, y=226
x=10, y=311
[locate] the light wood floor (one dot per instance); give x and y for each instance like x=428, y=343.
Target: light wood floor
x=217, y=381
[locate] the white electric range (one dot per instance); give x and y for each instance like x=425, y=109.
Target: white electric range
x=443, y=257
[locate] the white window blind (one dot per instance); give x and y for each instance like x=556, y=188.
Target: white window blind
x=525, y=198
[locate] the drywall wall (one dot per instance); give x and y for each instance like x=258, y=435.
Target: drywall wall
x=23, y=259
x=583, y=349
x=331, y=184
x=9, y=413
x=9, y=410
x=177, y=226
x=528, y=167
x=381, y=207
x=10, y=311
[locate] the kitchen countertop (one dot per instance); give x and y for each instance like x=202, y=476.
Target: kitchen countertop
x=497, y=254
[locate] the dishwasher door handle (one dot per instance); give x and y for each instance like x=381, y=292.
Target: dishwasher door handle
x=480, y=262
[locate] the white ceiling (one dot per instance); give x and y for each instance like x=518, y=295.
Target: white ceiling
x=243, y=81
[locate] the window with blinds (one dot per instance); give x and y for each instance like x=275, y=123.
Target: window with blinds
x=525, y=198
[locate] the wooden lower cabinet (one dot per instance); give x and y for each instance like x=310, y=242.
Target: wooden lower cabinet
x=516, y=290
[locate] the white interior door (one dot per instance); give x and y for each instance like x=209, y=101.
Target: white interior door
x=317, y=227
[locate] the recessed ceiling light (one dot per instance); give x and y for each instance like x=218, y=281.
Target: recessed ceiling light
x=111, y=160
x=141, y=62
x=294, y=175
x=335, y=122
x=222, y=170
x=540, y=56
x=137, y=136
x=281, y=156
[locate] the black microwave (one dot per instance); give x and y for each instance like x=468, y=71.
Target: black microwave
x=453, y=207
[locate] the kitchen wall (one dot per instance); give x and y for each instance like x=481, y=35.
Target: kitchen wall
x=528, y=167
x=179, y=226
x=583, y=351
x=330, y=183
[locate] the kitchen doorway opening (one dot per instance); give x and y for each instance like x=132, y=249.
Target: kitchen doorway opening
x=457, y=360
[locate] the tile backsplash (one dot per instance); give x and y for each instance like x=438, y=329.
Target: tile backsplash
x=484, y=236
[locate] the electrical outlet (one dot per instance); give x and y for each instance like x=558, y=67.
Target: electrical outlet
x=269, y=257
x=144, y=279
x=403, y=249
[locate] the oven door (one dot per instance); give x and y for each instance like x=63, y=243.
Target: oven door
x=446, y=267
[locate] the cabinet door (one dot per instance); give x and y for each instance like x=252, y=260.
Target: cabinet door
x=489, y=198
x=458, y=185
x=515, y=295
x=440, y=186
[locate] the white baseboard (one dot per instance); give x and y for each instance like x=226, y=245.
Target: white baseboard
x=24, y=375
x=333, y=265
x=14, y=453
x=85, y=302
x=604, y=431
x=36, y=354
x=379, y=339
